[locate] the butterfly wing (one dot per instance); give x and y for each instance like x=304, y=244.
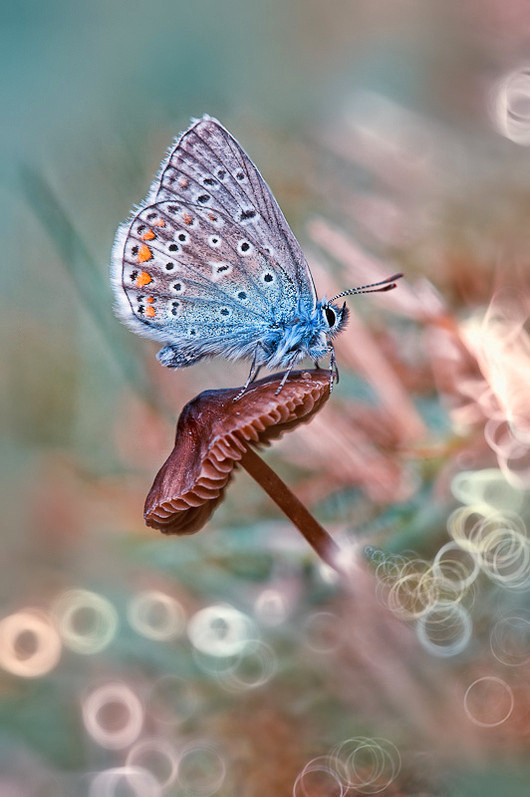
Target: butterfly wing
x=189, y=279
x=209, y=262
x=208, y=167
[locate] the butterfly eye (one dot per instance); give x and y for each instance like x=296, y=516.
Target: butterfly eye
x=331, y=316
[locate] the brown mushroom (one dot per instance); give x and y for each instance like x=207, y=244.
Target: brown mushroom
x=215, y=434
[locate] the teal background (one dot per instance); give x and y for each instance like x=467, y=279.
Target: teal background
x=92, y=95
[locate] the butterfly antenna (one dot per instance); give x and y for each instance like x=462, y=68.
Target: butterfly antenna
x=375, y=287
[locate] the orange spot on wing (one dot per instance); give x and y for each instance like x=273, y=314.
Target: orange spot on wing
x=149, y=299
x=144, y=254
x=184, y=182
x=187, y=218
x=143, y=278
x=148, y=236
x=212, y=216
x=159, y=223
x=150, y=311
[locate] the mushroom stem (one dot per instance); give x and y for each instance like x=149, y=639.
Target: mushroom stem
x=297, y=513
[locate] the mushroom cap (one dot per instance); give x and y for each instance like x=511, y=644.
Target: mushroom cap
x=213, y=433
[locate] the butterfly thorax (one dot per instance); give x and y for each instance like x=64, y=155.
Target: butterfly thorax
x=307, y=333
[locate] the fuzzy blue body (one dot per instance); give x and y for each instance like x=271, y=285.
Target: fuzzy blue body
x=307, y=334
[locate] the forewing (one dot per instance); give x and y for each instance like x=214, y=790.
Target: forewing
x=208, y=168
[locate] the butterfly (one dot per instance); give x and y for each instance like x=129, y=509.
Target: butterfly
x=208, y=265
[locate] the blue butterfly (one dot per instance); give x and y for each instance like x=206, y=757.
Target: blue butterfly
x=209, y=267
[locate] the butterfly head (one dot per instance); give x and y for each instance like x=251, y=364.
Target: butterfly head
x=335, y=318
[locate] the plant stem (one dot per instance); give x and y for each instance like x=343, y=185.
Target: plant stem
x=297, y=513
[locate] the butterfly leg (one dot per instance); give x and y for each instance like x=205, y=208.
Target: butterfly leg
x=254, y=371
x=286, y=376
x=333, y=369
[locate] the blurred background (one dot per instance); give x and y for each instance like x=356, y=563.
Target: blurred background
x=395, y=137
